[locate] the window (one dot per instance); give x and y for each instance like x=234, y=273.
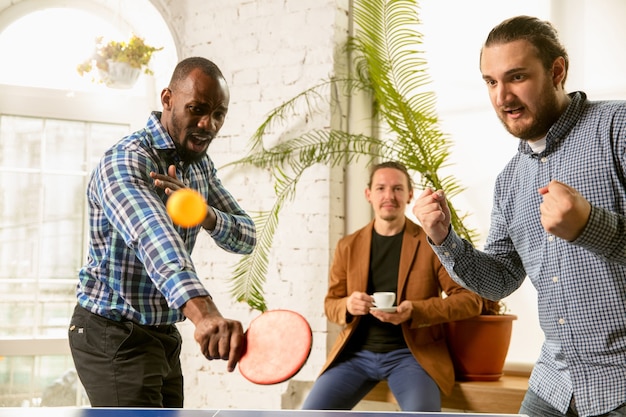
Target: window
x=54, y=126
x=44, y=167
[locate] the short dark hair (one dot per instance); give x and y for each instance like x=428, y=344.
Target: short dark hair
x=394, y=165
x=184, y=67
x=539, y=33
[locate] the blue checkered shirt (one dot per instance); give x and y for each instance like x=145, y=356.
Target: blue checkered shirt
x=581, y=285
x=139, y=266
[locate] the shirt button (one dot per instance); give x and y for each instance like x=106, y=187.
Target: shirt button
x=544, y=159
x=446, y=253
x=555, y=279
x=550, y=238
x=561, y=321
x=454, y=246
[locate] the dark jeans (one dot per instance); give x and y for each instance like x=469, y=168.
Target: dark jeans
x=123, y=364
x=343, y=385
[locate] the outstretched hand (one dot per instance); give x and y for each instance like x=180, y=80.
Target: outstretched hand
x=169, y=182
x=218, y=337
x=432, y=211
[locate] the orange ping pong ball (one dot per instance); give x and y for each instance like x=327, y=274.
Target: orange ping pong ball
x=186, y=207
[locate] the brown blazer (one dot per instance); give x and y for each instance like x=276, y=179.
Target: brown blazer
x=421, y=279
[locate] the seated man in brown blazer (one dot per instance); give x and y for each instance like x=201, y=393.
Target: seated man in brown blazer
x=406, y=347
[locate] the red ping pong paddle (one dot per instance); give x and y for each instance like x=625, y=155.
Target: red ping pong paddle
x=277, y=345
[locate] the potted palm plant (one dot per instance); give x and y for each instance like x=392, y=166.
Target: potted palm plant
x=119, y=63
x=388, y=67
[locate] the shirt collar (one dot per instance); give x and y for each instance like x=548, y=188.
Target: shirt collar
x=563, y=125
x=160, y=138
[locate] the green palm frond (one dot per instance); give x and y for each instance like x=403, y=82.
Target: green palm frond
x=297, y=155
x=312, y=101
x=331, y=147
x=249, y=275
x=387, y=42
x=389, y=66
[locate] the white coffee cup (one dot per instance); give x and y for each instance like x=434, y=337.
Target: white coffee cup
x=384, y=299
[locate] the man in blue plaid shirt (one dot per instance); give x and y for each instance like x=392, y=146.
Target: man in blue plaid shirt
x=139, y=279
x=558, y=217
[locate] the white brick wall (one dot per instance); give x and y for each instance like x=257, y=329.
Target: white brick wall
x=268, y=50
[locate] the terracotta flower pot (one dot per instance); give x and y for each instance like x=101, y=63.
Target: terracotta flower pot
x=478, y=346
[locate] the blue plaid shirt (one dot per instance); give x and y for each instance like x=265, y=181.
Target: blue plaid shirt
x=581, y=285
x=139, y=266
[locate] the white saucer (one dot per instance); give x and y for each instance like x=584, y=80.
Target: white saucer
x=385, y=309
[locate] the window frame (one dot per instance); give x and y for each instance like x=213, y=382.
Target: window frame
x=108, y=107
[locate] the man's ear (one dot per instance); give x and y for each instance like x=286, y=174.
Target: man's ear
x=558, y=71
x=367, y=194
x=166, y=98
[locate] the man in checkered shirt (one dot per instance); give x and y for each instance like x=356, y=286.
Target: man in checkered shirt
x=139, y=279
x=558, y=217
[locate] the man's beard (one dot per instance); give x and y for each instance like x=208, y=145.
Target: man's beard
x=186, y=155
x=546, y=114
x=389, y=216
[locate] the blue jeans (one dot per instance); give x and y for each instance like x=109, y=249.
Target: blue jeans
x=534, y=406
x=344, y=384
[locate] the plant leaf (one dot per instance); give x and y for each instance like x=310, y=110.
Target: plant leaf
x=390, y=67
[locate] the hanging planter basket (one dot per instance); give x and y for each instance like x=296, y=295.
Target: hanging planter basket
x=119, y=75
x=119, y=64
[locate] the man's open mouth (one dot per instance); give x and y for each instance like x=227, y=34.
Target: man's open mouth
x=199, y=139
